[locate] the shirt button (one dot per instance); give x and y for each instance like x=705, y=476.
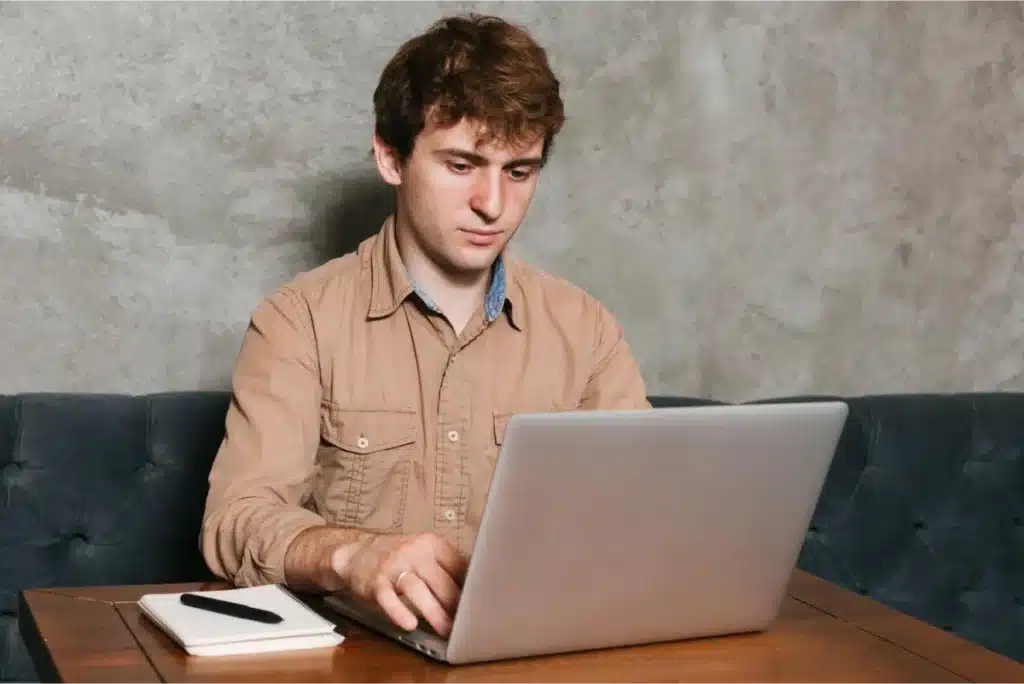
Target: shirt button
x=449, y=515
x=362, y=442
x=453, y=436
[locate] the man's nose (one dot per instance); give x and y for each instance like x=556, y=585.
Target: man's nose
x=487, y=200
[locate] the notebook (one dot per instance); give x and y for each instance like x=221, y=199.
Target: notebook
x=203, y=633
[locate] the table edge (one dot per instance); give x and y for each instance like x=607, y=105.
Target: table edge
x=32, y=637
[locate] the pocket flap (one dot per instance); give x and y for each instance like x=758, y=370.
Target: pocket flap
x=502, y=418
x=500, y=423
x=367, y=431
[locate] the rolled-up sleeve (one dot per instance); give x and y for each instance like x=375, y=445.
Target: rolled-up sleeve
x=263, y=473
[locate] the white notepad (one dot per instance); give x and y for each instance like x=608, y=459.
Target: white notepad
x=202, y=633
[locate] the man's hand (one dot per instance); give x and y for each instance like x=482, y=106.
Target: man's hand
x=404, y=575
x=425, y=570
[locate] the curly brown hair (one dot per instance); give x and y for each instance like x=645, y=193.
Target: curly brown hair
x=473, y=66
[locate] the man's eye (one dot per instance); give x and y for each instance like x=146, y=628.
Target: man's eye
x=459, y=167
x=520, y=174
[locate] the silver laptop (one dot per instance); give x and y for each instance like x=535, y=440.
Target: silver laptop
x=616, y=528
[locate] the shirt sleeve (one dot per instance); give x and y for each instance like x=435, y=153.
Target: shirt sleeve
x=263, y=472
x=615, y=381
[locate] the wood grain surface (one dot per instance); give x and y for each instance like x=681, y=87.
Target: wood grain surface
x=824, y=633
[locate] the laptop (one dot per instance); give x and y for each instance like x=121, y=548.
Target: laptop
x=616, y=528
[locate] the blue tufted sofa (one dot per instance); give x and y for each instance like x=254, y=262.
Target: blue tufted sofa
x=922, y=509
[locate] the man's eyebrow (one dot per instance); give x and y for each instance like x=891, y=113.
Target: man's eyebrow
x=481, y=160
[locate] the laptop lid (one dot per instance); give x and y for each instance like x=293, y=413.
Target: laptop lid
x=616, y=528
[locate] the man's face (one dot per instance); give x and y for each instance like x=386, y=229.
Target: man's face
x=461, y=201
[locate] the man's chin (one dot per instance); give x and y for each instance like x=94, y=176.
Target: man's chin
x=471, y=264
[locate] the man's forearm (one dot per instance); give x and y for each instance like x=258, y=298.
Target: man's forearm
x=316, y=556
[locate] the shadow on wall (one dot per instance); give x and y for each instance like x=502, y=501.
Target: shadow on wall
x=347, y=209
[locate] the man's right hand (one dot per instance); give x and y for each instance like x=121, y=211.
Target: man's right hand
x=405, y=575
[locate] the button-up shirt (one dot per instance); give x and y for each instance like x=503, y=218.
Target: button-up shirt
x=355, y=403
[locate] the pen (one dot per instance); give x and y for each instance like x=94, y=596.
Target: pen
x=230, y=608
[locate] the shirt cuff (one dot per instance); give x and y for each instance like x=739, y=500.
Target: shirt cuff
x=264, y=554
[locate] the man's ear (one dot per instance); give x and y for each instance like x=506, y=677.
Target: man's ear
x=388, y=164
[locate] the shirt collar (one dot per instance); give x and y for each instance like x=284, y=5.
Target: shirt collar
x=391, y=285
x=494, y=302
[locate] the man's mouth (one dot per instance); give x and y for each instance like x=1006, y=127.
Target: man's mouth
x=481, y=237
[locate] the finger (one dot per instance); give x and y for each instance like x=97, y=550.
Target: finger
x=441, y=584
x=393, y=606
x=450, y=559
x=417, y=591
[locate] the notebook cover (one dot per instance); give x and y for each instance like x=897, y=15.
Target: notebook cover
x=201, y=632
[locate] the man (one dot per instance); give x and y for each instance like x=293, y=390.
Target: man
x=370, y=395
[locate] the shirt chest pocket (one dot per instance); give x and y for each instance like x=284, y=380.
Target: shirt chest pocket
x=502, y=418
x=365, y=459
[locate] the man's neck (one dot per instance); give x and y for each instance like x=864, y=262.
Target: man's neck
x=456, y=296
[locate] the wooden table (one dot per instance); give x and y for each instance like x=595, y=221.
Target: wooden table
x=824, y=633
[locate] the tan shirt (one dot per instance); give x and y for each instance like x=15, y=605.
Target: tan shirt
x=355, y=405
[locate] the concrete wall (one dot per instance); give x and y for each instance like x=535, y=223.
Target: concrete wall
x=774, y=198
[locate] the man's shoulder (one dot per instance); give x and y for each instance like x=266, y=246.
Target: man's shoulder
x=558, y=295
x=341, y=278
x=341, y=271
x=334, y=289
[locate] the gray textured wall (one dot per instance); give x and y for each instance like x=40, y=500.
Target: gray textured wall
x=773, y=198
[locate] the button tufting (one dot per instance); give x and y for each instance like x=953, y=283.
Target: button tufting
x=148, y=471
x=80, y=546
x=10, y=471
x=78, y=537
x=918, y=524
x=1016, y=521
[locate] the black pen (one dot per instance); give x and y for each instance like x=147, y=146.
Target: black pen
x=230, y=608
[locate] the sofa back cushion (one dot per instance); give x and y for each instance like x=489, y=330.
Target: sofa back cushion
x=922, y=510
x=100, y=489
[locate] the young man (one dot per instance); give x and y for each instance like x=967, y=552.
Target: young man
x=370, y=394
